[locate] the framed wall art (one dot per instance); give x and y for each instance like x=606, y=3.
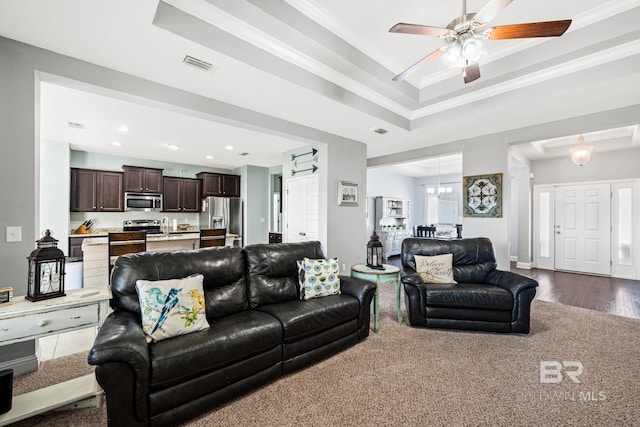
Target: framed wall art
x=347, y=193
x=482, y=196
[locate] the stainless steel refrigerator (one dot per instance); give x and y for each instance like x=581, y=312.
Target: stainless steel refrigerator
x=223, y=212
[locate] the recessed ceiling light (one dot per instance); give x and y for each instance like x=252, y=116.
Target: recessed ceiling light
x=122, y=128
x=116, y=143
x=173, y=146
x=209, y=157
x=228, y=147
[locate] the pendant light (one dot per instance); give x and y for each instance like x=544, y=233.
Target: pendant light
x=581, y=152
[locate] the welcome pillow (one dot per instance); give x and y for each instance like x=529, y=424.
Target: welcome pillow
x=435, y=269
x=172, y=307
x=321, y=278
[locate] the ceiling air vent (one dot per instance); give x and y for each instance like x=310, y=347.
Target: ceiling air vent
x=75, y=125
x=198, y=63
x=379, y=130
x=243, y=154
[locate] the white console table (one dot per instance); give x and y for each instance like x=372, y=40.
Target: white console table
x=25, y=320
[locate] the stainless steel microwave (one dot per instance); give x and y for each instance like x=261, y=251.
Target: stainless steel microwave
x=142, y=202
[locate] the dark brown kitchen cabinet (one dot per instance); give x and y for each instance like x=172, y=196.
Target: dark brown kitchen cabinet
x=142, y=180
x=216, y=184
x=181, y=194
x=96, y=191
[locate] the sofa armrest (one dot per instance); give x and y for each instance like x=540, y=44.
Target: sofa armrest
x=122, y=340
x=364, y=291
x=513, y=282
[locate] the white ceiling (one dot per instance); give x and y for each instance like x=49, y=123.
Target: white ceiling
x=326, y=65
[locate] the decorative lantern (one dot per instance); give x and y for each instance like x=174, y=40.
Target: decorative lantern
x=374, y=253
x=46, y=270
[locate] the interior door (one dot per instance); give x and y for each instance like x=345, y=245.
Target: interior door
x=583, y=228
x=302, y=216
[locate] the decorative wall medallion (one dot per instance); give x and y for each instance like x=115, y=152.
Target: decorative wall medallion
x=483, y=196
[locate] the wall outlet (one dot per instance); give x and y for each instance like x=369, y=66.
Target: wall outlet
x=14, y=234
x=344, y=267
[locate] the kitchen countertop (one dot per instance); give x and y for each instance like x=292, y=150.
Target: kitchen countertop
x=186, y=235
x=104, y=232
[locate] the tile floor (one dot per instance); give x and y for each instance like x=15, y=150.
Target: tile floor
x=65, y=344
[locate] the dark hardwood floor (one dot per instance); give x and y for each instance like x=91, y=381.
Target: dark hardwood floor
x=608, y=294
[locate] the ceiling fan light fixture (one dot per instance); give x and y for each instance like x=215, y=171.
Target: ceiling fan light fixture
x=472, y=49
x=453, y=56
x=581, y=153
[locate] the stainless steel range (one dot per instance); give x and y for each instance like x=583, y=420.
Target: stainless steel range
x=151, y=226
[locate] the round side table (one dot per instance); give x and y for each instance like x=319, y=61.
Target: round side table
x=388, y=275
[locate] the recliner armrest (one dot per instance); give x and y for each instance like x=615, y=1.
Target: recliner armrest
x=513, y=282
x=122, y=340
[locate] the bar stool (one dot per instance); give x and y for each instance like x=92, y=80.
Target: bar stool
x=213, y=237
x=125, y=242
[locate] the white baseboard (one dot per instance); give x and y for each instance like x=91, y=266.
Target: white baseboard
x=21, y=365
x=524, y=265
x=513, y=258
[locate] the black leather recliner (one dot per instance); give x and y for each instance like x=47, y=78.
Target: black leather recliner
x=259, y=330
x=484, y=298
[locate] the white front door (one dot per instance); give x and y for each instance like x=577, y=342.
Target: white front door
x=302, y=215
x=583, y=228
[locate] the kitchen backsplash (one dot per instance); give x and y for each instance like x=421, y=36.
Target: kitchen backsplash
x=115, y=219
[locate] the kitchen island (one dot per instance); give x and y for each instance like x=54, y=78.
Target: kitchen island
x=96, y=252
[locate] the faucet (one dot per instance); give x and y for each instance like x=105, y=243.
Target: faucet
x=164, y=226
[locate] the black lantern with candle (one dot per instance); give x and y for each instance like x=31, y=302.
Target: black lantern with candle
x=46, y=270
x=374, y=253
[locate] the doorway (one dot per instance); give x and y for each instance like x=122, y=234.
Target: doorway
x=302, y=209
x=586, y=228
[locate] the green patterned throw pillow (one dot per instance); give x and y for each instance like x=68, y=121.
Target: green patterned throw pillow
x=172, y=307
x=321, y=278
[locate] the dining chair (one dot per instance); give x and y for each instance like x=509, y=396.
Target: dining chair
x=426, y=231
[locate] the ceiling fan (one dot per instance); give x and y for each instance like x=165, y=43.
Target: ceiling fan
x=464, y=37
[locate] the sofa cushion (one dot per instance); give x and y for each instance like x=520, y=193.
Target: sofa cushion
x=272, y=271
x=321, y=278
x=473, y=259
x=303, y=318
x=435, y=269
x=223, y=268
x=468, y=295
x=171, y=307
x=228, y=340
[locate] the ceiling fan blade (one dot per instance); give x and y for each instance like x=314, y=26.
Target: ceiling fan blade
x=471, y=72
x=421, y=30
x=533, y=29
x=491, y=10
x=406, y=73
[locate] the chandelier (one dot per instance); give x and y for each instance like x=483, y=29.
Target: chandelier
x=581, y=152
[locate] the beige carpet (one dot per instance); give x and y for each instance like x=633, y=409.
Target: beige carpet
x=417, y=377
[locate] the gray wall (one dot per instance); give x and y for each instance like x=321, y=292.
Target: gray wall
x=604, y=166
x=83, y=159
x=23, y=66
x=254, y=190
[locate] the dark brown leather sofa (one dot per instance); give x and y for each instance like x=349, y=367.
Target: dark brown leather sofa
x=259, y=330
x=484, y=298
